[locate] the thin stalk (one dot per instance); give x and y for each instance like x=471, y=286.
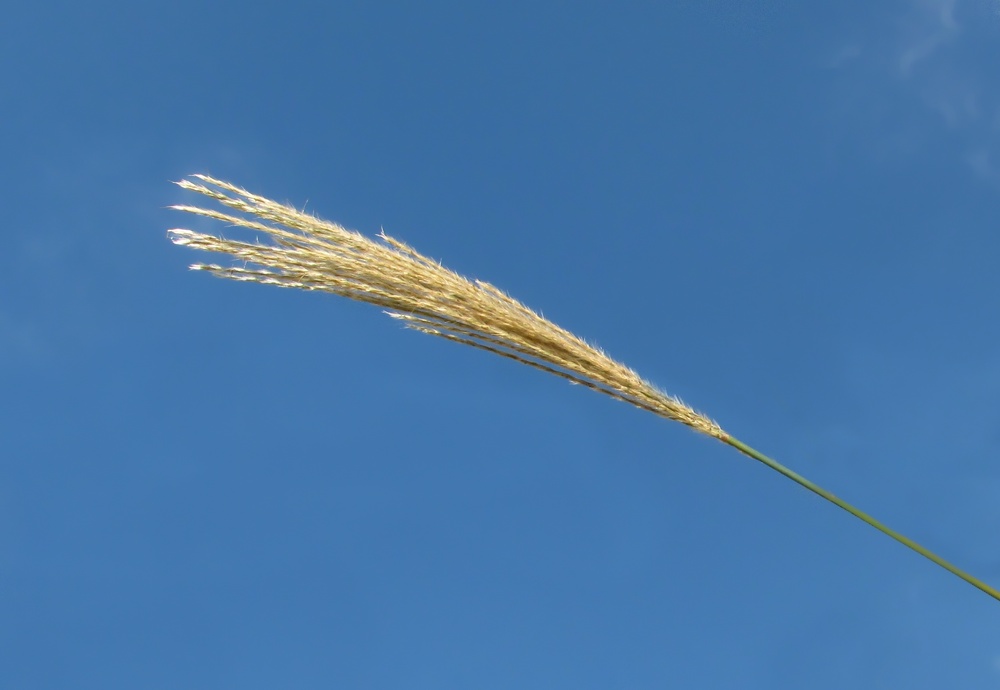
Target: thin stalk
x=860, y=514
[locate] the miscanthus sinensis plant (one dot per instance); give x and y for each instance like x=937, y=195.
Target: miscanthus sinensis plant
x=309, y=253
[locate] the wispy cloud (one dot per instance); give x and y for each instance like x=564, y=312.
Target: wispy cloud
x=930, y=24
x=936, y=66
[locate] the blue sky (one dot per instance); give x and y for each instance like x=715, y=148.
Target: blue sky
x=785, y=213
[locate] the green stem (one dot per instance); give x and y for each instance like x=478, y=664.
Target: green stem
x=906, y=541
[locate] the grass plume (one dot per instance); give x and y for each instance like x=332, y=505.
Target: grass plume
x=309, y=253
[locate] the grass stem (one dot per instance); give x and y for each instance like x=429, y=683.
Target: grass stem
x=860, y=514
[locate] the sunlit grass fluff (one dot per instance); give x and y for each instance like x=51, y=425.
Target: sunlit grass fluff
x=312, y=254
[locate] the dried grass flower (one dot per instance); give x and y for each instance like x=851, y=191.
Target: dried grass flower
x=309, y=253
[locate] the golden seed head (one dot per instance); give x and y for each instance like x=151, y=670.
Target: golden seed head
x=313, y=254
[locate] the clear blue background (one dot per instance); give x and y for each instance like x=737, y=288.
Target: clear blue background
x=784, y=212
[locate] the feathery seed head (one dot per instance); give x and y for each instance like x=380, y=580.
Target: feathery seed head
x=309, y=253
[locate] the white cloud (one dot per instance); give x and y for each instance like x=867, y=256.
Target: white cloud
x=933, y=68
x=932, y=25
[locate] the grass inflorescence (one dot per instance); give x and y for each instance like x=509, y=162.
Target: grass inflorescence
x=309, y=253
